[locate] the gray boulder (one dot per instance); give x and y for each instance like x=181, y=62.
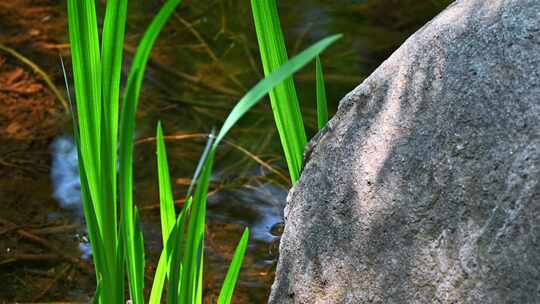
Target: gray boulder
x=424, y=188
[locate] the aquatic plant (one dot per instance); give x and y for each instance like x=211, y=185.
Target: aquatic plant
x=97, y=74
x=322, y=103
x=283, y=97
x=112, y=220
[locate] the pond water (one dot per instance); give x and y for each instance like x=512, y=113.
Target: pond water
x=204, y=60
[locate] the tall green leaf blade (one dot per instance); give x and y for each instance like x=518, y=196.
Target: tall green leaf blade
x=111, y=54
x=139, y=253
x=283, y=98
x=97, y=296
x=120, y=269
x=322, y=104
x=168, y=265
x=127, y=123
x=111, y=68
x=174, y=248
x=227, y=290
x=96, y=241
x=97, y=245
x=175, y=264
x=159, y=278
x=84, y=41
x=264, y=86
x=166, y=202
x=83, y=33
x=191, y=280
x=126, y=200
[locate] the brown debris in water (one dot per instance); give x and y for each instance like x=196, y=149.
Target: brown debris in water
x=33, y=25
x=30, y=117
x=36, y=28
x=27, y=110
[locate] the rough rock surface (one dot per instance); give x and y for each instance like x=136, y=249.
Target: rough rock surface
x=424, y=188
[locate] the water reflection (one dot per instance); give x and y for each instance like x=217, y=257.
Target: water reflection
x=65, y=174
x=260, y=207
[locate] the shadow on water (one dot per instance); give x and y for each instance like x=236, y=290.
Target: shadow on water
x=203, y=61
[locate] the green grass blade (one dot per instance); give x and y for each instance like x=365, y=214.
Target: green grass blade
x=97, y=296
x=199, y=272
x=174, y=248
x=111, y=67
x=175, y=262
x=96, y=241
x=168, y=264
x=127, y=123
x=86, y=61
x=139, y=251
x=283, y=98
x=99, y=253
x=84, y=41
x=111, y=54
x=159, y=278
x=120, y=268
x=126, y=200
x=264, y=86
x=166, y=202
x=202, y=161
x=226, y=293
x=89, y=212
x=83, y=33
x=191, y=281
x=322, y=104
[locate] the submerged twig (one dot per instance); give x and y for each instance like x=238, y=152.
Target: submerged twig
x=55, y=229
x=176, y=202
x=30, y=257
x=209, y=51
x=53, y=282
x=301, y=38
x=30, y=236
x=257, y=159
x=196, y=80
x=251, y=60
x=227, y=142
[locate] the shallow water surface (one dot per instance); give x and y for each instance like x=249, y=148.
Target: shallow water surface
x=205, y=59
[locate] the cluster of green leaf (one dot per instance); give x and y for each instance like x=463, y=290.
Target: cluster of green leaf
x=112, y=220
x=283, y=97
x=183, y=235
